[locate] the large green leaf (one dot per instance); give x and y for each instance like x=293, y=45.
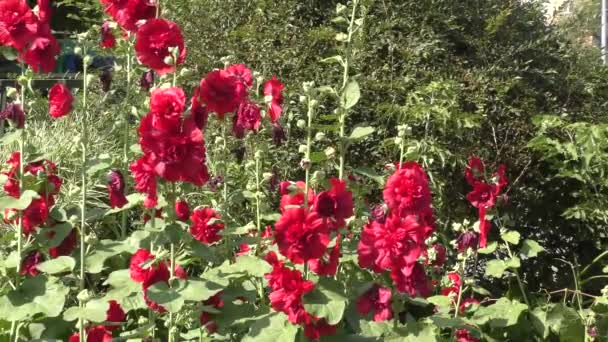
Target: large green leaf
x=103, y=250
x=272, y=328
x=359, y=133
x=94, y=310
x=503, y=313
x=415, y=332
x=197, y=290
x=495, y=268
x=8, y=202
x=36, y=295
x=351, y=95
x=59, y=265
x=166, y=297
x=511, y=237
x=327, y=300
x=531, y=248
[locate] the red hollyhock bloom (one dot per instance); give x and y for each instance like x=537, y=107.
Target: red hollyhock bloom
x=463, y=335
x=327, y=265
x=336, y=203
x=389, y=246
x=108, y=41
x=407, y=190
x=454, y=287
x=44, y=10
x=180, y=273
x=222, y=92
x=206, y=226
x=98, y=333
x=145, y=179
x=41, y=53
x=154, y=41
x=301, y=235
x=412, y=280
x=147, y=80
x=376, y=300
x=273, y=90
x=137, y=272
x=292, y=195
x=467, y=303
x=278, y=134
x=182, y=210
x=484, y=228
x=66, y=247
x=14, y=113
x=60, y=100
x=247, y=118
x=116, y=189
x=501, y=177
x=206, y=319
x=319, y=328
x=199, y=112
x=28, y=266
x=241, y=72
x=18, y=24
x=129, y=13
x=440, y=256
x=167, y=106
x=483, y=195
x=474, y=172
x=34, y=215
x=115, y=314
x=288, y=286
x=244, y=249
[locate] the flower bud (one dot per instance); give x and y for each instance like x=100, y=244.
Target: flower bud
x=267, y=176
x=398, y=141
x=320, y=136
x=182, y=210
x=301, y=124
x=303, y=99
x=91, y=239
x=168, y=60
x=330, y=152
x=302, y=149
x=87, y=60
x=305, y=164
x=11, y=92
x=78, y=50
x=84, y=296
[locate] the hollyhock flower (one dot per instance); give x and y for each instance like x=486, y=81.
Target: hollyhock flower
x=244, y=249
x=199, y=112
x=35, y=215
x=412, y=280
x=18, y=24
x=463, y=335
x=116, y=189
x=377, y=300
x=222, y=92
x=439, y=255
x=66, y=247
x=60, y=100
x=467, y=240
x=301, y=235
x=327, y=265
x=206, y=226
x=247, y=118
x=137, y=272
x=287, y=289
x=483, y=195
x=467, y=303
x=129, y=13
x=106, y=80
x=278, y=134
x=147, y=80
x=98, y=333
x=292, y=195
x=378, y=213
x=407, y=190
x=153, y=44
x=14, y=113
x=395, y=244
x=474, y=172
x=167, y=106
x=273, y=91
x=41, y=53
x=454, y=285
x=145, y=179
x=115, y=314
x=28, y=266
x=241, y=72
x=108, y=41
x=484, y=228
x=336, y=203
x=206, y=319
x=319, y=328
x=180, y=273
x=501, y=177
x=182, y=210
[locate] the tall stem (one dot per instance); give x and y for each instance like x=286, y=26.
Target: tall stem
x=83, y=202
x=461, y=274
x=308, y=145
x=519, y=282
x=125, y=139
x=225, y=163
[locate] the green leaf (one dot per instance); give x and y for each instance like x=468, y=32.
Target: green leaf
x=10, y=138
x=360, y=133
x=273, y=327
x=104, y=250
x=504, y=313
x=513, y=263
x=415, y=332
x=238, y=230
x=8, y=202
x=36, y=295
x=166, y=297
x=59, y=233
x=443, y=303
x=489, y=249
x=375, y=329
x=511, y=237
x=8, y=53
x=135, y=200
x=198, y=290
x=61, y=264
x=248, y=266
x=561, y=320
x=94, y=310
x=531, y=248
x=327, y=300
x=370, y=173
x=351, y=95
x=495, y=268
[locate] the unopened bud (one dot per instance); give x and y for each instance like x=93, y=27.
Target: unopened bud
x=330, y=152
x=302, y=149
x=320, y=136
x=301, y=124
x=78, y=50
x=11, y=92
x=303, y=99
x=83, y=296
x=305, y=164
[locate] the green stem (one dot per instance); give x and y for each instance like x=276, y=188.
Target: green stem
x=83, y=202
x=125, y=146
x=519, y=281
x=598, y=258
x=401, y=151
x=461, y=273
x=172, y=271
x=258, y=210
x=225, y=163
x=308, y=146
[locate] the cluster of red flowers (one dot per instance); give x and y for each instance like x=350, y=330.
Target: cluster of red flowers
x=484, y=194
x=29, y=34
x=129, y=13
x=396, y=242
x=103, y=333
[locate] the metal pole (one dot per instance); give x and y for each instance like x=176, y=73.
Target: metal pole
x=604, y=26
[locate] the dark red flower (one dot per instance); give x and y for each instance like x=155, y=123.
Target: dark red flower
x=108, y=41
x=474, y=172
x=206, y=225
x=14, y=113
x=377, y=300
x=28, y=266
x=467, y=240
x=454, y=286
x=318, y=328
x=412, y=280
x=292, y=195
x=116, y=189
x=247, y=118
x=98, y=333
x=407, y=190
x=199, y=112
x=302, y=235
x=34, y=215
x=18, y=24
x=145, y=179
x=182, y=210
x=129, y=13
x=467, y=303
x=153, y=44
x=440, y=256
x=167, y=106
x=484, y=228
x=44, y=11
x=501, y=177
x=463, y=335
x=222, y=92
x=241, y=72
x=244, y=249
x=136, y=270
x=180, y=273
x=66, y=247
x=278, y=134
x=483, y=195
x=106, y=80
x=40, y=54
x=60, y=100
x=273, y=91
x=336, y=203
x=208, y=323
x=115, y=314
x=147, y=80
x=328, y=264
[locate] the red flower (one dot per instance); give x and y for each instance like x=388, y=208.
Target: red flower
x=247, y=118
x=412, y=280
x=182, y=211
x=18, y=25
x=28, y=266
x=14, y=113
x=467, y=303
x=60, y=100
x=376, y=300
x=407, y=190
x=199, y=112
x=244, y=249
x=222, y=92
x=467, y=240
x=454, y=287
x=292, y=195
x=484, y=228
x=180, y=273
x=98, y=333
x=154, y=41
x=241, y=72
x=116, y=189
x=463, y=335
x=41, y=53
x=66, y=247
x=44, y=11
x=206, y=318
x=128, y=13
x=501, y=177
x=137, y=272
x=337, y=203
x=319, y=328
x=147, y=80
x=439, y=259
x=34, y=215
x=167, y=106
x=301, y=235
x=206, y=226
x=273, y=90
x=474, y=172
x=115, y=314
x=287, y=288
x=145, y=179
x=327, y=265
x=483, y=195
x=390, y=246
x=108, y=41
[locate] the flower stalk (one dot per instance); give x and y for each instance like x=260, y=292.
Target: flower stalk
x=84, y=143
x=126, y=128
